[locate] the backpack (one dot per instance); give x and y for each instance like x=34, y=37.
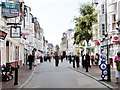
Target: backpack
x=118, y=65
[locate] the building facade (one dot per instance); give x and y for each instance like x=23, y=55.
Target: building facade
x=20, y=35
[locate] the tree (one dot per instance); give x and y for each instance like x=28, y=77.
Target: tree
x=57, y=49
x=84, y=23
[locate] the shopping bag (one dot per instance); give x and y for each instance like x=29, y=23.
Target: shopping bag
x=118, y=65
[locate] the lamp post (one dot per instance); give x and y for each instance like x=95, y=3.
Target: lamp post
x=106, y=36
x=108, y=63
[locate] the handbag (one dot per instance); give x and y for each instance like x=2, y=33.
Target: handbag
x=118, y=65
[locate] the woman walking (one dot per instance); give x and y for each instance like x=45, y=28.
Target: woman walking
x=117, y=66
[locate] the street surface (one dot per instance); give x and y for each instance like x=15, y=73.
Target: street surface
x=46, y=75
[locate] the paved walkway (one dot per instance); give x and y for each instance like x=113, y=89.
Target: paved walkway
x=24, y=74
x=94, y=72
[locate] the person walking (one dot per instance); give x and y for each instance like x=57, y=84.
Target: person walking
x=117, y=66
x=87, y=61
x=61, y=57
x=92, y=59
x=77, y=61
x=83, y=60
x=56, y=59
x=41, y=59
x=73, y=60
x=70, y=58
x=30, y=60
x=96, y=59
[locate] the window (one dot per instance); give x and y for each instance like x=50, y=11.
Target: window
x=114, y=17
x=102, y=9
x=103, y=29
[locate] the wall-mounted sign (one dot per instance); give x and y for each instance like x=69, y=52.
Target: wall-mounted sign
x=15, y=32
x=10, y=10
x=115, y=38
x=3, y=35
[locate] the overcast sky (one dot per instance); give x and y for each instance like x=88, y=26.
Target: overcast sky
x=55, y=16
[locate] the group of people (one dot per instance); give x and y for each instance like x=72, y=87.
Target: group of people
x=75, y=59
x=86, y=59
x=97, y=59
x=32, y=59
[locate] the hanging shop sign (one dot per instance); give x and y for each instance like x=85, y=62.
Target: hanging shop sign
x=3, y=35
x=15, y=32
x=10, y=10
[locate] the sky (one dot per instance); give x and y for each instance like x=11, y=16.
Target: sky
x=55, y=16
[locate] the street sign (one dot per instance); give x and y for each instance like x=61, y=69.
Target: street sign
x=104, y=72
x=3, y=35
x=10, y=10
x=103, y=66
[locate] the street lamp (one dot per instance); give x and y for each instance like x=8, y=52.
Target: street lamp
x=108, y=63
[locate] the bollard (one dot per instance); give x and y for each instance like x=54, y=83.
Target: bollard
x=108, y=73
x=16, y=76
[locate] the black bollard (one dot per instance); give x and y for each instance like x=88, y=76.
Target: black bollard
x=16, y=76
x=108, y=73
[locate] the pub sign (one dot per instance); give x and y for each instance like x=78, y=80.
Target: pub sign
x=10, y=10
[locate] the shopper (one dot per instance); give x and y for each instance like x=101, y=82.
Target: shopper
x=30, y=60
x=56, y=59
x=117, y=66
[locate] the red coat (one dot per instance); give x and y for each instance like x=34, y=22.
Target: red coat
x=92, y=56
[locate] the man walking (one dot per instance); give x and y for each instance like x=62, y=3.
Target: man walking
x=87, y=62
x=30, y=60
x=77, y=61
x=56, y=59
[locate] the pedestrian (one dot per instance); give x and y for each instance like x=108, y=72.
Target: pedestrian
x=111, y=62
x=77, y=60
x=96, y=59
x=92, y=59
x=36, y=58
x=66, y=57
x=41, y=59
x=117, y=66
x=56, y=59
x=83, y=60
x=70, y=58
x=30, y=60
x=61, y=57
x=49, y=58
x=87, y=61
x=73, y=60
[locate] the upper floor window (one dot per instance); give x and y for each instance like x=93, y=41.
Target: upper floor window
x=103, y=29
x=102, y=9
x=114, y=17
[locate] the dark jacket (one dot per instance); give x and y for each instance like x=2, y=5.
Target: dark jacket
x=30, y=58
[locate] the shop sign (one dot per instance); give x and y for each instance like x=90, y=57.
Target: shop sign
x=3, y=35
x=10, y=10
x=115, y=38
x=15, y=32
